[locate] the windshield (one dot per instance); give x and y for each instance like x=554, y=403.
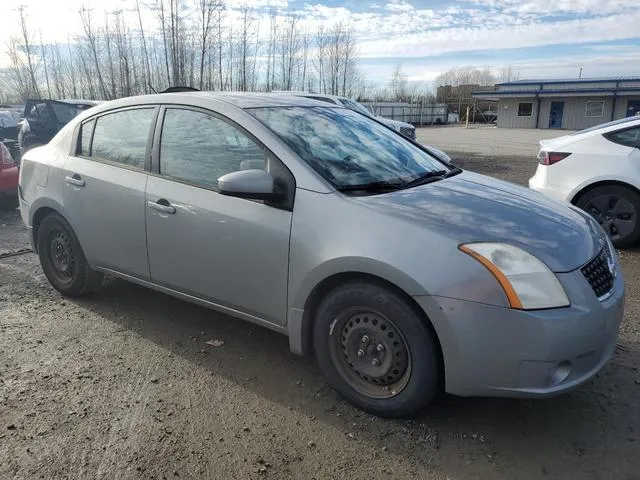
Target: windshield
x=346, y=148
x=355, y=106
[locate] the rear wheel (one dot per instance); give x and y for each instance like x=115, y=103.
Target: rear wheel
x=376, y=350
x=616, y=208
x=62, y=259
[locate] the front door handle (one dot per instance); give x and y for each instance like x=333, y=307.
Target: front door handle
x=75, y=180
x=162, y=206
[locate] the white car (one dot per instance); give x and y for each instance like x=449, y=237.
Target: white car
x=598, y=170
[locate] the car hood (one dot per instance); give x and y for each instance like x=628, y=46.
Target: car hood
x=473, y=208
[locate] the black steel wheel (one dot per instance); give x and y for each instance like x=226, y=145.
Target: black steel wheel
x=370, y=353
x=377, y=349
x=62, y=259
x=61, y=255
x=616, y=208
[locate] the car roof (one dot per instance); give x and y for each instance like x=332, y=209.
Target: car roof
x=252, y=99
x=311, y=95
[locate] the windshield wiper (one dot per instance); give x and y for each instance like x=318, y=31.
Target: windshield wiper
x=432, y=177
x=372, y=187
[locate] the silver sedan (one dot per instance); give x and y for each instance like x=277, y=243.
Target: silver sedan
x=401, y=273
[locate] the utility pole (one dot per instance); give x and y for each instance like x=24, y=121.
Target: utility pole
x=580, y=74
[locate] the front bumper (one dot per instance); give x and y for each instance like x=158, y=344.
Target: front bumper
x=494, y=351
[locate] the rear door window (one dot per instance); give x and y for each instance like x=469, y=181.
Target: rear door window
x=121, y=137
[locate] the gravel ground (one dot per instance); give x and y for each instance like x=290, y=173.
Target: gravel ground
x=122, y=385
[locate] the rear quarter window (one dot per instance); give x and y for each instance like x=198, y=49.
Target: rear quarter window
x=121, y=137
x=629, y=137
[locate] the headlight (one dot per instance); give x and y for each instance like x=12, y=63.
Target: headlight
x=527, y=282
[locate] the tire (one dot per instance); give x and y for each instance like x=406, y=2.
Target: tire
x=617, y=209
x=406, y=378
x=62, y=259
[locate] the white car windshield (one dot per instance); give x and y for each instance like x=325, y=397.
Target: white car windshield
x=349, y=149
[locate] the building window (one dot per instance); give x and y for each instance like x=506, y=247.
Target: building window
x=525, y=109
x=595, y=109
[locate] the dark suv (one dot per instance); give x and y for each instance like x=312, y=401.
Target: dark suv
x=44, y=118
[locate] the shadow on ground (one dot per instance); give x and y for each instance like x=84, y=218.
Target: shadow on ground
x=598, y=423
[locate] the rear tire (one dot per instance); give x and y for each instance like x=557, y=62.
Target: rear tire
x=62, y=259
x=376, y=350
x=617, y=210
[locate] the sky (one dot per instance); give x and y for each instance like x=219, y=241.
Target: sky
x=539, y=38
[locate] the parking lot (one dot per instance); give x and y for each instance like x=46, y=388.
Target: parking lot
x=123, y=384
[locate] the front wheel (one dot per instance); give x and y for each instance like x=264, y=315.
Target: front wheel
x=62, y=259
x=376, y=350
x=616, y=208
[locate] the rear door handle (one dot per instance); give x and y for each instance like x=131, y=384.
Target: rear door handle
x=162, y=206
x=76, y=181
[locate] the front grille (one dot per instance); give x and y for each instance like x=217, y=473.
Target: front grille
x=408, y=132
x=598, y=274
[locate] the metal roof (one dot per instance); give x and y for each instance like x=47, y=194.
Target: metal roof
x=533, y=81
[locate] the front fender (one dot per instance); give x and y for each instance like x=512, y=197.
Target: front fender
x=354, y=265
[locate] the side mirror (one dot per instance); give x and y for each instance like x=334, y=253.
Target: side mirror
x=252, y=184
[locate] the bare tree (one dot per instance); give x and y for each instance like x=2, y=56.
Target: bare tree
x=206, y=12
x=145, y=52
x=289, y=45
x=92, y=39
x=28, y=50
x=508, y=74
x=245, y=41
x=44, y=64
x=195, y=42
x=219, y=19
x=398, y=84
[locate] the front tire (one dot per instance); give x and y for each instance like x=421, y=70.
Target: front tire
x=62, y=259
x=376, y=350
x=617, y=209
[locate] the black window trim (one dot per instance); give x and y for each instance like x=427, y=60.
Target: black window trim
x=525, y=116
x=150, y=134
x=611, y=135
x=154, y=168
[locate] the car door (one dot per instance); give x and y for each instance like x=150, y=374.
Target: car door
x=104, y=191
x=231, y=251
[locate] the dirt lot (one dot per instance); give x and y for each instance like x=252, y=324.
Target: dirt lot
x=123, y=385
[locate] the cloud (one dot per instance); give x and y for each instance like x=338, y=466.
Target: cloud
x=406, y=30
x=498, y=33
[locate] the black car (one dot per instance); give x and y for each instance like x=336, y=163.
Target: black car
x=44, y=118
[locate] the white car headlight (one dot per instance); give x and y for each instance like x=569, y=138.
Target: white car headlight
x=527, y=282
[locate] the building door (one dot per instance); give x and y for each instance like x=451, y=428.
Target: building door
x=555, y=116
x=633, y=108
